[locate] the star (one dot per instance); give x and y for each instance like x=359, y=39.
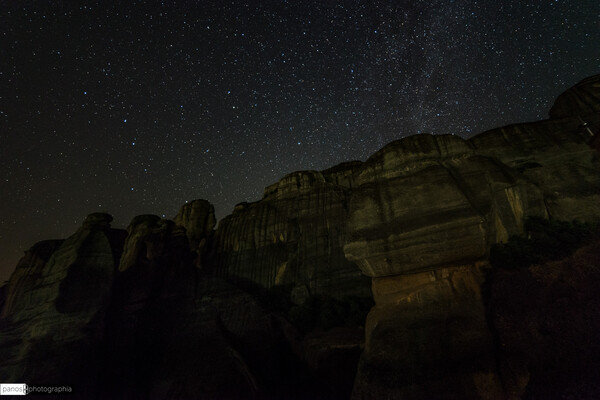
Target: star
x=220, y=102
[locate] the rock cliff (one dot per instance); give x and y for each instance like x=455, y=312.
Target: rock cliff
x=181, y=308
x=425, y=211
x=294, y=235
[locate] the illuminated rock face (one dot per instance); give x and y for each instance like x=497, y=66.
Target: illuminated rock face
x=423, y=215
x=427, y=336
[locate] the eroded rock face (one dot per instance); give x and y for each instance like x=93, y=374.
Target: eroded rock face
x=423, y=214
x=444, y=212
x=294, y=235
x=556, y=157
x=465, y=195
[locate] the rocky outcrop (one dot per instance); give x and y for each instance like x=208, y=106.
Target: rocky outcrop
x=556, y=157
x=122, y=314
x=443, y=210
x=27, y=272
x=155, y=268
x=294, y=235
x=424, y=212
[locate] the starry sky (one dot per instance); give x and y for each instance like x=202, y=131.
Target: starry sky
x=136, y=107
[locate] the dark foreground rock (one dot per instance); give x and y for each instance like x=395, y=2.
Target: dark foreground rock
x=547, y=320
x=56, y=308
x=131, y=314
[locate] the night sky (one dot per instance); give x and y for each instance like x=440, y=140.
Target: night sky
x=134, y=108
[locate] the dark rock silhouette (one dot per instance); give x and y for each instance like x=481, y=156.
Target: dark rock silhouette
x=545, y=319
x=55, y=314
x=179, y=309
x=580, y=100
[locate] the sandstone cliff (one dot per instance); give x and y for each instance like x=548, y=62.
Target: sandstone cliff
x=424, y=213
x=178, y=309
x=294, y=235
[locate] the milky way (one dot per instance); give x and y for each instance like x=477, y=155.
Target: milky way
x=136, y=108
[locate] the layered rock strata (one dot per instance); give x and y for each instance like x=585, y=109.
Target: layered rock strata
x=423, y=214
x=294, y=235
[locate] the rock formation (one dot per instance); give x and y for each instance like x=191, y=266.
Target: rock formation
x=179, y=309
x=294, y=235
x=424, y=213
